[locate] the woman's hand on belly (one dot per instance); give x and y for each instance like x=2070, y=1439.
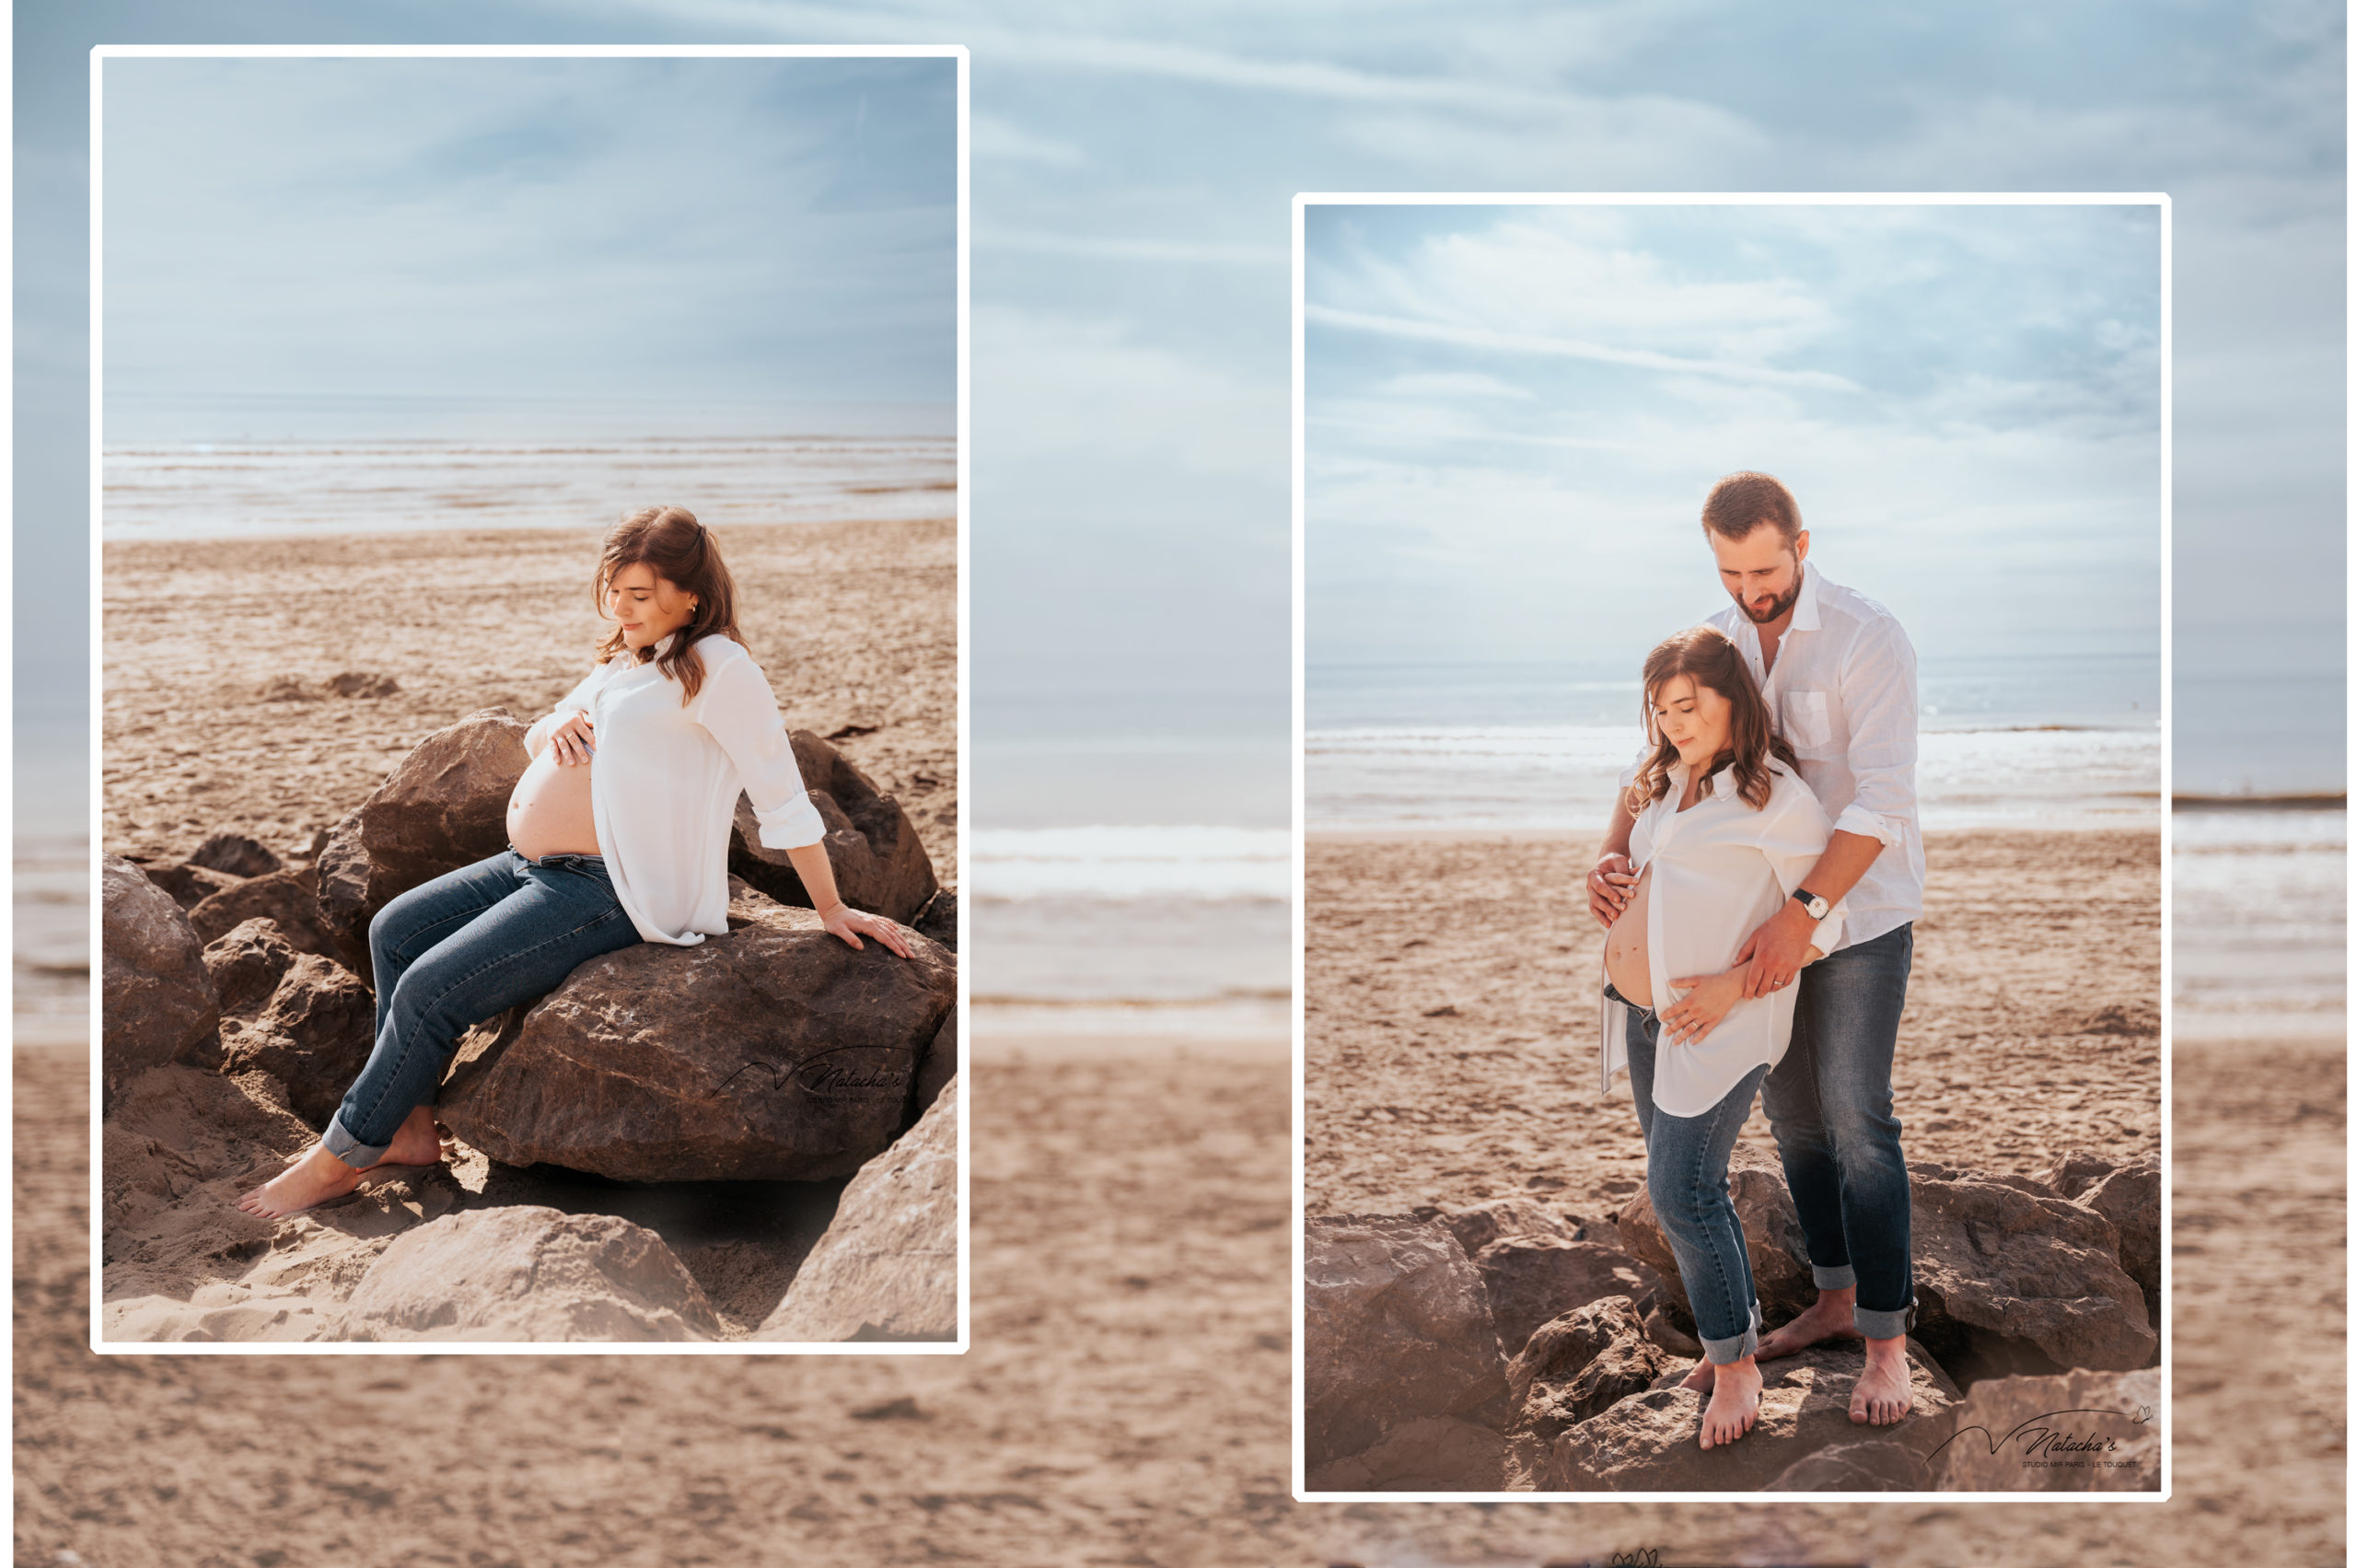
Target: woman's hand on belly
x=1708, y=999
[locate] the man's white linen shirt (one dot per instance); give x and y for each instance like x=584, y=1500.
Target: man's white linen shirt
x=664, y=782
x=1720, y=867
x=1843, y=695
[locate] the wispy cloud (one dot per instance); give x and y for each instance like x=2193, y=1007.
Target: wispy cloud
x=1492, y=341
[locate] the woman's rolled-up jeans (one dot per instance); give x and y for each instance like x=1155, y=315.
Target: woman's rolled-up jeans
x=455, y=951
x=1686, y=1177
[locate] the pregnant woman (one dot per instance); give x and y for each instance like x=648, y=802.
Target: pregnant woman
x=618, y=833
x=1724, y=829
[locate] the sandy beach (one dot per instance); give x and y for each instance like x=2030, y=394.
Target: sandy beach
x=264, y=687
x=1125, y=1399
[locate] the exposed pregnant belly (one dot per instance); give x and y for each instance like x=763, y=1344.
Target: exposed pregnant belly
x=1628, y=960
x=549, y=813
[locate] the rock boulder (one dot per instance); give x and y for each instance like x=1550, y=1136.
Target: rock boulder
x=1533, y=1279
x=443, y=805
x=157, y=1001
x=773, y=1052
x=1651, y=1442
x=235, y=854
x=2077, y=1431
x=872, y=846
x=289, y=898
x=887, y=1269
x=306, y=1020
x=528, y=1273
x=1581, y=1365
x=1397, y=1330
x=2130, y=1197
x=2009, y=1277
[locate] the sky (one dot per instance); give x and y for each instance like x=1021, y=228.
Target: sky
x=1514, y=413
x=1132, y=174
x=661, y=231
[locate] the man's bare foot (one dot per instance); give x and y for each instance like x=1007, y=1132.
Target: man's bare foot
x=1827, y=1318
x=319, y=1177
x=1735, y=1402
x=1885, y=1389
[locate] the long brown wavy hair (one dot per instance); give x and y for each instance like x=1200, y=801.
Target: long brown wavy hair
x=683, y=553
x=1712, y=660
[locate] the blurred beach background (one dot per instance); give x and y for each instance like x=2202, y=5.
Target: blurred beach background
x=1127, y=1393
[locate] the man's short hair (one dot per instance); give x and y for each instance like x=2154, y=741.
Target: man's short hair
x=1741, y=502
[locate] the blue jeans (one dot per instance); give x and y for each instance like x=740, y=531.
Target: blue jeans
x=455, y=951
x=1829, y=1104
x=1686, y=1177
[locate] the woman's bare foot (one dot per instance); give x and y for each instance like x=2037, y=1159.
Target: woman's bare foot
x=319, y=1177
x=1827, y=1318
x=1885, y=1389
x=1735, y=1402
x=1702, y=1377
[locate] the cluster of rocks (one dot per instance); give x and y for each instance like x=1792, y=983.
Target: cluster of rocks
x=773, y=1052
x=1509, y=1347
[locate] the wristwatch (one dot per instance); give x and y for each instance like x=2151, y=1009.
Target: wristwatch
x=1818, y=908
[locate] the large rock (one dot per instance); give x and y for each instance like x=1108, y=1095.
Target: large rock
x=1781, y=1275
x=1534, y=1279
x=871, y=844
x=443, y=805
x=2076, y=1432
x=1651, y=1442
x=773, y=1052
x=1428, y=1454
x=937, y=1067
x=938, y=919
x=2130, y=1197
x=887, y=1269
x=1583, y=1364
x=1397, y=1330
x=2011, y=1278
x=527, y=1273
x=156, y=1002
x=189, y=885
x=304, y=1020
x=289, y=898
x=1478, y=1225
x=235, y=854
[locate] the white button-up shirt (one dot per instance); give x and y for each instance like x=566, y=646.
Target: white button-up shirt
x=663, y=786
x=1720, y=867
x=1843, y=695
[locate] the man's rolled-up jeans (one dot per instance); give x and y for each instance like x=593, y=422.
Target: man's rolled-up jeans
x=1686, y=1177
x=455, y=951
x=1829, y=1103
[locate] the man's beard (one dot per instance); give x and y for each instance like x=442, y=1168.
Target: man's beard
x=1782, y=603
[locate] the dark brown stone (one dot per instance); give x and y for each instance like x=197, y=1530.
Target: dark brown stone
x=313, y=1034
x=443, y=805
x=776, y=1051
x=1397, y=1330
x=2078, y=1430
x=156, y=1002
x=939, y=1066
x=2006, y=1276
x=290, y=900
x=1582, y=1363
x=1477, y=1226
x=189, y=885
x=246, y=963
x=235, y=854
x=872, y=846
x=1534, y=1279
x=938, y=919
x=1650, y=1442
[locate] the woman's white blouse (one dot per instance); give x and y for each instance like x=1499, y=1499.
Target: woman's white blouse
x=1720, y=868
x=663, y=785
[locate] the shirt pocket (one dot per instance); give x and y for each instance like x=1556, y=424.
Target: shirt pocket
x=1808, y=722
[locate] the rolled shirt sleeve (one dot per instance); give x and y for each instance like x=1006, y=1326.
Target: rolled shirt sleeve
x=1793, y=835
x=736, y=707
x=1878, y=700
